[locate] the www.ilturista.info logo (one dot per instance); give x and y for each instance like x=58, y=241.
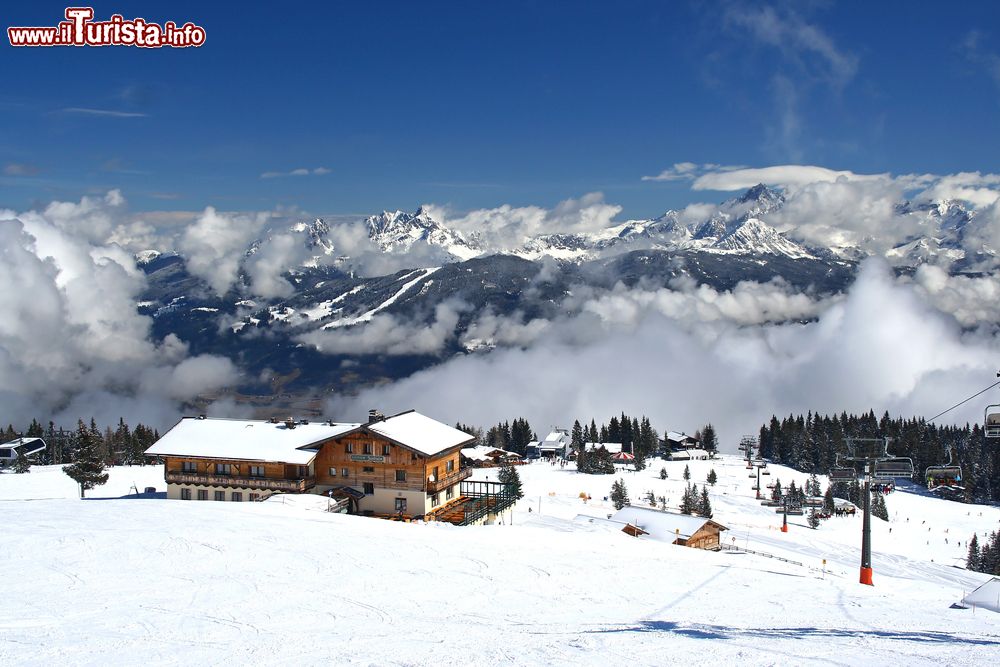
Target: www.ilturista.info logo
x=79, y=29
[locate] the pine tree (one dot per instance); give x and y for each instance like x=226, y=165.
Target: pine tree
x=813, y=519
x=576, y=436
x=812, y=486
x=777, y=493
x=663, y=473
x=687, y=474
x=508, y=475
x=22, y=464
x=619, y=494
x=709, y=441
x=712, y=478
x=828, y=504
x=705, y=506
x=878, y=507
x=689, y=501
x=639, y=462
x=88, y=471
x=973, y=562
x=650, y=498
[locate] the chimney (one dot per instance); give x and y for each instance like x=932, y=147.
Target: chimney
x=375, y=416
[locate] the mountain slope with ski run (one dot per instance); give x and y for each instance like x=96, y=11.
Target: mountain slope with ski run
x=125, y=579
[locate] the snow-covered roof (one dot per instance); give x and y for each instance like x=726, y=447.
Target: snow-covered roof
x=674, y=436
x=662, y=525
x=420, y=433
x=484, y=452
x=613, y=447
x=246, y=440
x=556, y=436
x=986, y=596
x=27, y=445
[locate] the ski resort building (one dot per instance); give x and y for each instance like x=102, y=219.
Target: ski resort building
x=25, y=446
x=404, y=466
x=682, y=529
x=556, y=445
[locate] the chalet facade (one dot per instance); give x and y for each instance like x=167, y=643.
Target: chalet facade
x=681, y=529
x=406, y=465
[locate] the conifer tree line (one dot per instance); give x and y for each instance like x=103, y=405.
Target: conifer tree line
x=812, y=443
x=985, y=558
x=510, y=436
x=121, y=445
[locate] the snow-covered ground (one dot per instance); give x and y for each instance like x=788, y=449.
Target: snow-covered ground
x=125, y=579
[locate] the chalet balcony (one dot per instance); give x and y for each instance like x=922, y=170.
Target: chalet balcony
x=266, y=483
x=448, y=480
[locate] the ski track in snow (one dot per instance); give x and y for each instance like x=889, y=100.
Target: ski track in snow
x=111, y=580
x=366, y=317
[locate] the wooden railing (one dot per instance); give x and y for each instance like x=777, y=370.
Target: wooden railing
x=448, y=480
x=294, y=485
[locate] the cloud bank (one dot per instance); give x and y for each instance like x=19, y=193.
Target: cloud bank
x=71, y=341
x=688, y=358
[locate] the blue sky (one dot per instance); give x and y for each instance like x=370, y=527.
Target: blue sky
x=480, y=104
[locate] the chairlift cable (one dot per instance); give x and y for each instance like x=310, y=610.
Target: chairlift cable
x=964, y=402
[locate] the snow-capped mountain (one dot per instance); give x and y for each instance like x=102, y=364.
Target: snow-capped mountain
x=398, y=232
x=421, y=271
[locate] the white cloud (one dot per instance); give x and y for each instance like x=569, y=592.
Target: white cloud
x=106, y=113
x=509, y=227
x=879, y=348
x=71, y=342
x=214, y=245
x=789, y=175
x=389, y=334
x=804, y=44
x=301, y=171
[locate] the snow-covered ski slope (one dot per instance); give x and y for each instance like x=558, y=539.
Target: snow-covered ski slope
x=117, y=580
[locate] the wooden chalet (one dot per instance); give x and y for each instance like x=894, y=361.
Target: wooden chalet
x=682, y=529
x=406, y=465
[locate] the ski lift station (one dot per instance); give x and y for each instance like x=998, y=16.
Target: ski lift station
x=25, y=446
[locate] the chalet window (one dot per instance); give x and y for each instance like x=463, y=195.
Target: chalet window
x=435, y=500
x=385, y=450
x=223, y=469
x=368, y=448
x=237, y=497
x=345, y=472
x=450, y=493
x=369, y=488
x=450, y=466
x=202, y=494
x=302, y=471
x=368, y=469
x=256, y=471
x=400, y=504
x=400, y=475
x=349, y=448
x=333, y=472
x=220, y=495
x=189, y=466
x=254, y=497
x=185, y=494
